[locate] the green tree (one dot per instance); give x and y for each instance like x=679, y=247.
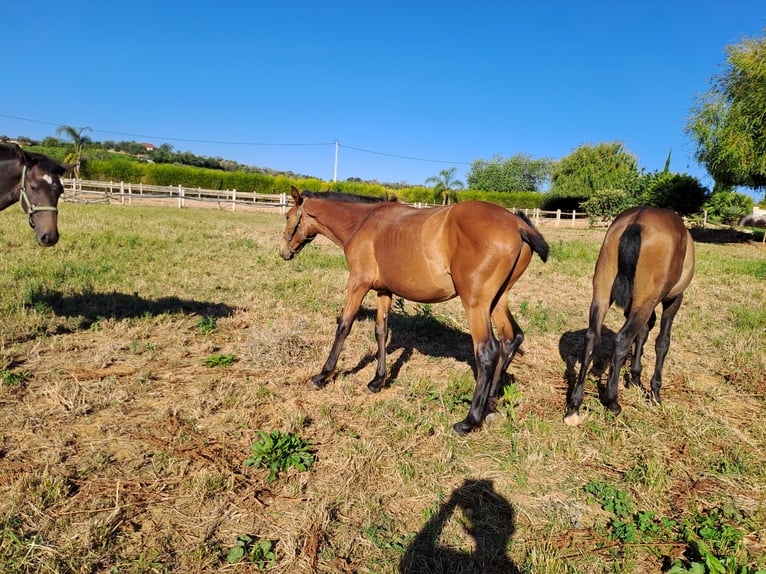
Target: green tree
x=591, y=168
x=677, y=191
x=514, y=174
x=78, y=142
x=727, y=122
x=445, y=185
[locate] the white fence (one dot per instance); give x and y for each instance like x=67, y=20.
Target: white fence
x=123, y=193
x=89, y=191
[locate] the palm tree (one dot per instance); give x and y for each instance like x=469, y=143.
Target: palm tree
x=78, y=141
x=444, y=184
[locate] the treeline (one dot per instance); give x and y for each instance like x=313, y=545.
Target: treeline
x=601, y=179
x=133, y=162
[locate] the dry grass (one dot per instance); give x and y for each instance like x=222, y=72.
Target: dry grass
x=121, y=452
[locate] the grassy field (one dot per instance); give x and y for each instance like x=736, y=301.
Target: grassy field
x=144, y=354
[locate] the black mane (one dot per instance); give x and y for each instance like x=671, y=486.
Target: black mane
x=347, y=197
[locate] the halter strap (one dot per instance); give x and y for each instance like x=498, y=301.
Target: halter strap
x=297, y=229
x=31, y=207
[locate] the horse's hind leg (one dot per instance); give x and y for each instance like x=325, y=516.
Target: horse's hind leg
x=487, y=353
x=669, y=310
x=381, y=332
x=598, y=310
x=623, y=341
x=638, y=352
x=511, y=337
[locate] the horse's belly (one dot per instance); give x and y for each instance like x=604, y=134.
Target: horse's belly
x=418, y=285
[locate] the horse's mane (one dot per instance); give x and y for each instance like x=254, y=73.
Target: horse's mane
x=347, y=197
x=8, y=152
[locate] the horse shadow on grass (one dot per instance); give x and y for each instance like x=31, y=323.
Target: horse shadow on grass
x=422, y=332
x=93, y=307
x=486, y=516
x=571, y=347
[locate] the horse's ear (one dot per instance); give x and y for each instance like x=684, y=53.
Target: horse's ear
x=65, y=167
x=296, y=195
x=19, y=153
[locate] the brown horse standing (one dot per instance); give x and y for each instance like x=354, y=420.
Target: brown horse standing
x=33, y=180
x=647, y=258
x=472, y=250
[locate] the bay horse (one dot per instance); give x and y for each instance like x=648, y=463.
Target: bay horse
x=646, y=258
x=32, y=179
x=472, y=250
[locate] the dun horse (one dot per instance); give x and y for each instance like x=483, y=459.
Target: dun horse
x=647, y=258
x=33, y=180
x=472, y=250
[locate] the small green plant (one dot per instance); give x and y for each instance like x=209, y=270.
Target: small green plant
x=458, y=393
x=218, y=360
x=206, y=324
x=511, y=396
x=14, y=378
x=279, y=451
x=258, y=552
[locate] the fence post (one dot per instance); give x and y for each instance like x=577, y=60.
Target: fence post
x=234, y=199
x=130, y=194
x=558, y=217
x=574, y=217
x=282, y=202
x=180, y=196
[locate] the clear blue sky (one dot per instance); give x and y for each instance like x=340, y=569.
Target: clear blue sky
x=407, y=88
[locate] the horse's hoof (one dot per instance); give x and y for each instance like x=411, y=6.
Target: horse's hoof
x=463, y=427
x=614, y=408
x=572, y=419
x=374, y=387
x=316, y=385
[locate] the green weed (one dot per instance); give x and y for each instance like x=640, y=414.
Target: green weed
x=206, y=325
x=219, y=360
x=278, y=452
x=258, y=552
x=14, y=378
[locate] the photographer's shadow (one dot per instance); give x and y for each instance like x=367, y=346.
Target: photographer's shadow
x=486, y=516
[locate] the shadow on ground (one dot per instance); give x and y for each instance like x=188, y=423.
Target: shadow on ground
x=93, y=307
x=420, y=332
x=488, y=518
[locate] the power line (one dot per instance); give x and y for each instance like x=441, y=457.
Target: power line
x=404, y=156
x=245, y=143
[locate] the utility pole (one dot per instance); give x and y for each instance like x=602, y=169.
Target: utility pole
x=335, y=173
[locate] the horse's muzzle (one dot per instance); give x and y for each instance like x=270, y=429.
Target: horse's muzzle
x=285, y=251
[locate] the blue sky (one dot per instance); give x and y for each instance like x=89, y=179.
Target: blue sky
x=407, y=88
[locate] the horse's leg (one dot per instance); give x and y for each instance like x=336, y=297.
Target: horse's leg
x=669, y=310
x=511, y=337
x=638, y=352
x=637, y=321
x=598, y=309
x=354, y=298
x=381, y=332
x=487, y=354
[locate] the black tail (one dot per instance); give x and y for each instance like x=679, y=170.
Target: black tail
x=630, y=246
x=533, y=237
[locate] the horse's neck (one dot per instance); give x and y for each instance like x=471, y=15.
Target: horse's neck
x=9, y=179
x=337, y=220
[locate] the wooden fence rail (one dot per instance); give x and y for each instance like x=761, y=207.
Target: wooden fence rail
x=126, y=193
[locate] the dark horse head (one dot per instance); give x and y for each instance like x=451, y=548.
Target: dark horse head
x=33, y=180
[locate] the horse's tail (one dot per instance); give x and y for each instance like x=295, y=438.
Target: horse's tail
x=532, y=237
x=627, y=257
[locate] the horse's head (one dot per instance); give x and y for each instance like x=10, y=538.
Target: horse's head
x=295, y=236
x=39, y=191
